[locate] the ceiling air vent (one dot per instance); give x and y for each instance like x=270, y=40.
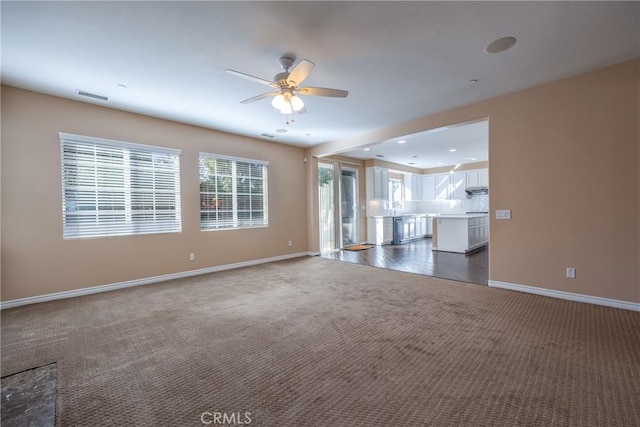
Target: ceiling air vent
x=92, y=95
x=266, y=135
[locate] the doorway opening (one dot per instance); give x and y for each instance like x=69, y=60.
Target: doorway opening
x=338, y=206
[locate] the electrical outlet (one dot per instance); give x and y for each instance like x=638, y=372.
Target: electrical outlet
x=503, y=214
x=192, y=256
x=289, y=243
x=571, y=272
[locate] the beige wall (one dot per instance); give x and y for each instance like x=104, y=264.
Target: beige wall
x=35, y=258
x=565, y=158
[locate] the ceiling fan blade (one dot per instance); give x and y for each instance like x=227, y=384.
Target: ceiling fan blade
x=299, y=73
x=323, y=91
x=259, y=97
x=252, y=78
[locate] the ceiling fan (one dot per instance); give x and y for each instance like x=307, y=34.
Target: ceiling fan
x=288, y=83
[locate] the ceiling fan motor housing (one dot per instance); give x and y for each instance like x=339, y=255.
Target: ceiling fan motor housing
x=281, y=79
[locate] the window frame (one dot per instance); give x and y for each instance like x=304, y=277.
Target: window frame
x=130, y=224
x=236, y=223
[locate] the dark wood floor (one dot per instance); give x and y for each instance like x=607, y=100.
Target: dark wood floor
x=417, y=257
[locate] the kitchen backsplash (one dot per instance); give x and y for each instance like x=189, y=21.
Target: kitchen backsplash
x=476, y=203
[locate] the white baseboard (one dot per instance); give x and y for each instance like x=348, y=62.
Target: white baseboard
x=143, y=281
x=626, y=305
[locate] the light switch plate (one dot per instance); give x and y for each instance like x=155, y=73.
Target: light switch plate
x=503, y=214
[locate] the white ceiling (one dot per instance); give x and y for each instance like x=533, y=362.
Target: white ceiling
x=399, y=60
x=451, y=145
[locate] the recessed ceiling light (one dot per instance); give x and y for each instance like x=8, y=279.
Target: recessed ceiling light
x=439, y=163
x=415, y=157
x=121, y=86
x=452, y=150
x=500, y=45
x=471, y=158
x=281, y=130
x=379, y=155
x=473, y=81
x=402, y=141
x=367, y=149
x=411, y=163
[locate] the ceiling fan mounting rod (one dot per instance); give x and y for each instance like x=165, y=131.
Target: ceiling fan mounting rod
x=286, y=62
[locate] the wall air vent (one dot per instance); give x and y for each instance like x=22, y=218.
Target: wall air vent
x=91, y=95
x=266, y=135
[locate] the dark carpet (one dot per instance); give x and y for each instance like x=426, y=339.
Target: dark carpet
x=314, y=342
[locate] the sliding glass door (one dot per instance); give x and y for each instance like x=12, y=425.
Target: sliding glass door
x=327, y=193
x=338, y=205
x=349, y=206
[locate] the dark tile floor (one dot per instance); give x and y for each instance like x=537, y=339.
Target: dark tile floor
x=28, y=398
x=417, y=257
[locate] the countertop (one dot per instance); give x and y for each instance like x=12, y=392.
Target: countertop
x=403, y=215
x=461, y=216
x=434, y=215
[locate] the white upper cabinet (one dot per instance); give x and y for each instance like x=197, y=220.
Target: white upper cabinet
x=443, y=186
x=414, y=189
x=429, y=187
x=478, y=178
x=458, y=185
x=483, y=177
x=473, y=179
x=377, y=183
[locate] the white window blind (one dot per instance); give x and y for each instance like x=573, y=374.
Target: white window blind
x=233, y=192
x=114, y=188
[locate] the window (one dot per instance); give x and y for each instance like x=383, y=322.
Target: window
x=233, y=192
x=396, y=196
x=113, y=188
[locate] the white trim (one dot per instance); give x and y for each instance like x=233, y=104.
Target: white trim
x=91, y=139
x=625, y=305
x=143, y=281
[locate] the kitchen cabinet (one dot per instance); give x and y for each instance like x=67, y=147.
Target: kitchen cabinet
x=380, y=230
x=443, y=186
x=377, y=183
x=428, y=226
x=429, y=187
x=478, y=178
x=424, y=227
x=473, y=178
x=451, y=186
x=483, y=177
x=462, y=233
x=458, y=185
x=414, y=190
x=409, y=223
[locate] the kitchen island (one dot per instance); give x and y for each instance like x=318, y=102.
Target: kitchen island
x=461, y=233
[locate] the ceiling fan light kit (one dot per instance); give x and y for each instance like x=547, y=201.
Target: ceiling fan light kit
x=287, y=84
